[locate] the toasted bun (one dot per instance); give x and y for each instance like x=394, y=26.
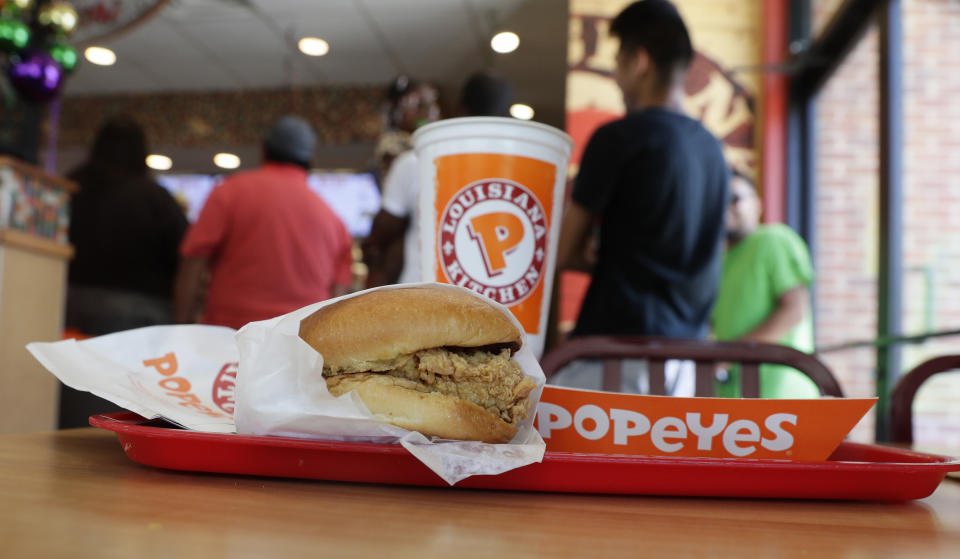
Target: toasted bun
x=384, y=324
x=430, y=413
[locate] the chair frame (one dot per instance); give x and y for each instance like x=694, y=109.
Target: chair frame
x=901, y=399
x=706, y=354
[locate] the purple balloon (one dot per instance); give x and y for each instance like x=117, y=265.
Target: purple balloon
x=37, y=76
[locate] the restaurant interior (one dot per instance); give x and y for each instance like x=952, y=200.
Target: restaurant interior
x=842, y=112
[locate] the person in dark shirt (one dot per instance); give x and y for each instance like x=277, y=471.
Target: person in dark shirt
x=125, y=230
x=657, y=183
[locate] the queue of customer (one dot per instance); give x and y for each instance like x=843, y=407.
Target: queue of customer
x=649, y=212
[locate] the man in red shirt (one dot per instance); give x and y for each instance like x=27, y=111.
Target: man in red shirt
x=271, y=244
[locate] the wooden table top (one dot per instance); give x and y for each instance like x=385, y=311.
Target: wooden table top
x=75, y=494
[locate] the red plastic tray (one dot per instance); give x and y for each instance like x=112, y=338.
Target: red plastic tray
x=854, y=471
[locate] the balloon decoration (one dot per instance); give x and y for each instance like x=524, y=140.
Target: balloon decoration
x=65, y=55
x=14, y=35
x=34, y=52
x=58, y=16
x=36, y=76
x=14, y=6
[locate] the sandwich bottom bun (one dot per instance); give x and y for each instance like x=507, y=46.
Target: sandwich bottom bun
x=433, y=414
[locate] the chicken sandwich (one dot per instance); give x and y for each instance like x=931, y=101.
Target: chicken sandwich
x=428, y=359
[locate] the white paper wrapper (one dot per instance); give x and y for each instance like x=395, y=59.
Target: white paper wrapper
x=185, y=374
x=279, y=392
x=186, y=393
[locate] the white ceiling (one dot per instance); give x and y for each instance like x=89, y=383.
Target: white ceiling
x=251, y=44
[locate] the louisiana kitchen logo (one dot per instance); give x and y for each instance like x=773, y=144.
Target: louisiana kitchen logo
x=493, y=240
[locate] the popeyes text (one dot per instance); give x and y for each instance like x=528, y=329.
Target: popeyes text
x=179, y=388
x=611, y=423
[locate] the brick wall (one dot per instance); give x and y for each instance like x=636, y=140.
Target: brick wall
x=847, y=180
x=931, y=36
x=847, y=158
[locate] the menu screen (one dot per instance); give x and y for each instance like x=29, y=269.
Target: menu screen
x=354, y=197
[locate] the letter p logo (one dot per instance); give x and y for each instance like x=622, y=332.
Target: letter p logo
x=498, y=234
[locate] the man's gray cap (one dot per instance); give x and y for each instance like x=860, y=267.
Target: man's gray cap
x=291, y=137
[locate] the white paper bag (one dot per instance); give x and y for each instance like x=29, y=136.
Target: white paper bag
x=183, y=374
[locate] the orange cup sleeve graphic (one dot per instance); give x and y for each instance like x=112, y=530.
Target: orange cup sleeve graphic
x=504, y=203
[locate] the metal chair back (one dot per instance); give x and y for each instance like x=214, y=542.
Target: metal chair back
x=901, y=401
x=706, y=354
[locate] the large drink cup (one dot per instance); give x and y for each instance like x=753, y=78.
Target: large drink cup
x=491, y=200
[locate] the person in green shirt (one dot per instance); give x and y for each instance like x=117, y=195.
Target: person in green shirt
x=763, y=295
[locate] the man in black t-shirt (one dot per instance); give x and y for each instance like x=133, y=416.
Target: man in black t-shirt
x=657, y=181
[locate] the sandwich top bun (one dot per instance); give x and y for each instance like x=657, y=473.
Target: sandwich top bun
x=429, y=359
x=384, y=324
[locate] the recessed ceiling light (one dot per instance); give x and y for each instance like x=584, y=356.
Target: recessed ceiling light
x=226, y=160
x=504, y=42
x=521, y=111
x=159, y=162
x=100, y=56
x=313, y=46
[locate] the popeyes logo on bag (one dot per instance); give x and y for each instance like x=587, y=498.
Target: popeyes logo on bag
x=611, y=423
x=493, y=228
x=224, y=386
x=183, y=392
x=493, y=240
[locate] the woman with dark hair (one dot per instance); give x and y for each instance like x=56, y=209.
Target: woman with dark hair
x=125, y=230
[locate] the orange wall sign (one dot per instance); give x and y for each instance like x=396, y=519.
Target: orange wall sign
x=611, y=423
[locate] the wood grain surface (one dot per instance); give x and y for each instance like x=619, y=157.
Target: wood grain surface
x=75, y=494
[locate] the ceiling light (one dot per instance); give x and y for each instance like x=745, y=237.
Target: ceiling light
x=159, y=162
x=226, y=160
x=313, y=46
x=505, y=41
x=100, y=56
x=521, y=111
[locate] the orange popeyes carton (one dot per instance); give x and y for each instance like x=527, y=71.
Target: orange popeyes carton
x=586, y=421
x=491, y=199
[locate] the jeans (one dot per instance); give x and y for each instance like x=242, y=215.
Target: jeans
x=587, y=374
